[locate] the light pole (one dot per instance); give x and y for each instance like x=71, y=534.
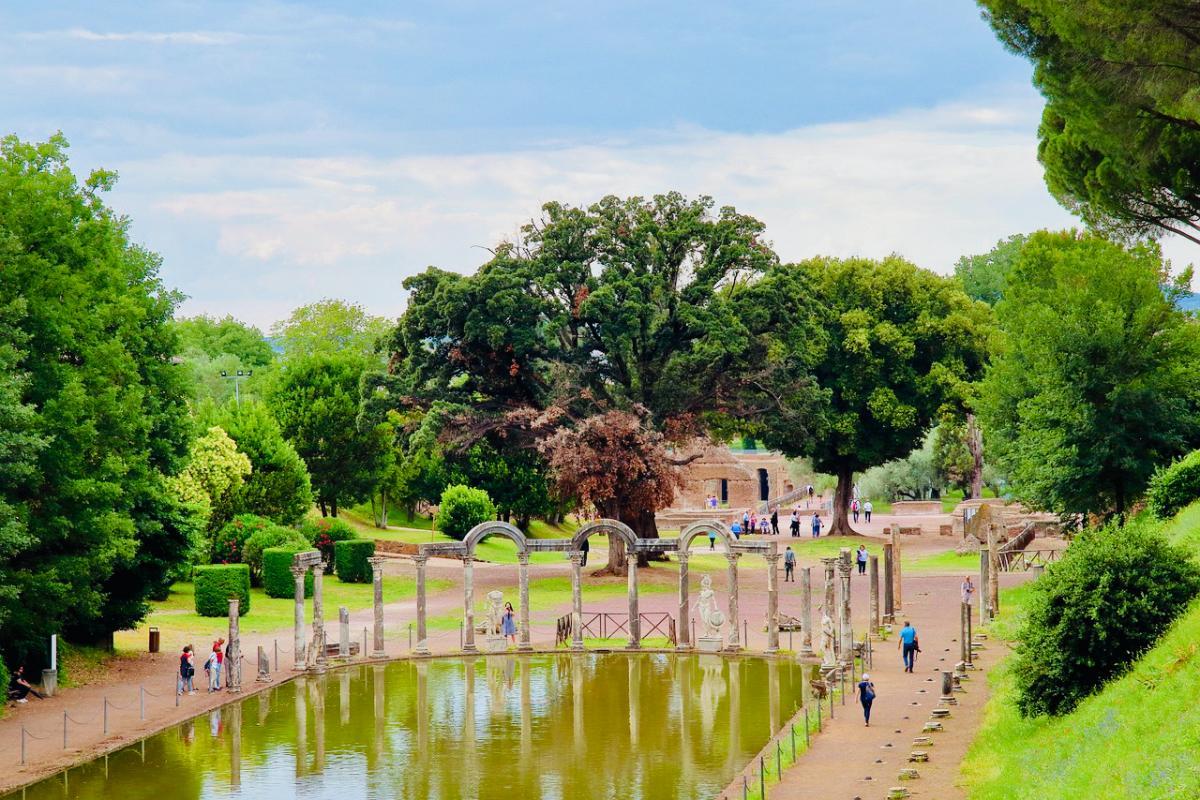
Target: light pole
x=236, y=377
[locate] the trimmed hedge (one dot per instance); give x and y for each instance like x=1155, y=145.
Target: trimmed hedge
x=324, y=533
x=1175, y=486
x=277, y=572
x=274, y=536
x=216, y=583
x=350, y=559
x=4, y=678
x=461, y=509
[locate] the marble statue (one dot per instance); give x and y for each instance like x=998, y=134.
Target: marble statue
x=495, y=612
x=710, y=616
x=827, y=639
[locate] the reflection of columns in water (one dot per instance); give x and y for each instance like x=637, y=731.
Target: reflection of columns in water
x=264, y=706
x=635, y=693
x=683, y=632
x=317, y=699
x=576, y=600
x=735, y=715
x=379, y=709
x=301, y=707
x=344, y=696
x=470, y=724
x=422, y=708
x=684, y=668
x=422, y=637
x=468, y=603
x=235, y=745
x=773, y=695
x=523, y=581
x=526, y=716
x=735, y=622
x=577, y=702
x=806, y=617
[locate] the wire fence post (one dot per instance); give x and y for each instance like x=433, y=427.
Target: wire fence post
x=794, y=737
x=460, y=634
x=142, y=702
x=410, y=636
x=762, y=778
x=832, y=692
x=277, y=655
x=64, y=730
x=106, y=715
x=806, y=727
x=818, y=715
x=745, y=788
x=363, y=653
x=843, y=677
x=22, y=745
x=778, y=760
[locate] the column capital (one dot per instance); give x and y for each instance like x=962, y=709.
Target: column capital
x=682, y=556
x=376, y=561
x=298, y=572
x=576, y=558
x=523, y=559
x=772, y=557
x=420, y=559
x=732, y=558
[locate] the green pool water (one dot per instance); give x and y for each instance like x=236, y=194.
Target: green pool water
x=610, y=726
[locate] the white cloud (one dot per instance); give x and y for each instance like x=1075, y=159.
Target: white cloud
x=201, y=38
x=930, y=184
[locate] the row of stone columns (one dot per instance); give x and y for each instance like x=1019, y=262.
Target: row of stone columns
x=312, y=655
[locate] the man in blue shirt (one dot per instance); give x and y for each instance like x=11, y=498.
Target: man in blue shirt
x=816, y=525
x=908, y=645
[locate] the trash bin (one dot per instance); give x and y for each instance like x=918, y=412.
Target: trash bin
x=154, y=640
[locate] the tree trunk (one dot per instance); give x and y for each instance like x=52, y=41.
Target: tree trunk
x=840, y=525
x=324, y=509
x=333, y=507
x=644, y=527
x=975, y=446
x=383, y=511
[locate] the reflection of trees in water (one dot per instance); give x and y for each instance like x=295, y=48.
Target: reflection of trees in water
x=489, y=727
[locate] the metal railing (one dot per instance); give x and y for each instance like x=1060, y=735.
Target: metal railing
x=611, y=625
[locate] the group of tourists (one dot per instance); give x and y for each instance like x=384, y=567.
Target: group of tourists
x=213, y=665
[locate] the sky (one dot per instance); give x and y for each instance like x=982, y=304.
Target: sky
x=276, y=154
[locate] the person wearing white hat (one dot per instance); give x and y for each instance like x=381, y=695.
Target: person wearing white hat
x=866, y=696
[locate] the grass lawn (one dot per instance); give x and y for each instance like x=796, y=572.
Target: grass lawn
x=179, y=624
x=939, y=563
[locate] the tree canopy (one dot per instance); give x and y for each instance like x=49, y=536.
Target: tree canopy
x=983, y=276
x=1120, y=134
x=330, y=327
x=1097, y=374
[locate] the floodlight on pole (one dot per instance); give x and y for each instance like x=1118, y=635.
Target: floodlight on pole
x=237, y=377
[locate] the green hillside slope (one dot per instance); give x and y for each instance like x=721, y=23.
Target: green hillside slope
x=1139, y=739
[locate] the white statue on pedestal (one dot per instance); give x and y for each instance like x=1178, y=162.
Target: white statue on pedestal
x=827, y=639
x=495, y=612
x=711, y=616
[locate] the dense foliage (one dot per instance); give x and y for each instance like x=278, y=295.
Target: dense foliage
x=323, y=533
x=350, y=558
x=1095, y=611
x=88, y=525
x=216, y=584
x=1096, y=379
x=984, y=276
x=277, y=578
x=330, y=328
x=1120, y=134
x=229, y=543
x=210, y=346
x=215, y=471
x=461, y=509
x=1171, y=488
x=260, y=540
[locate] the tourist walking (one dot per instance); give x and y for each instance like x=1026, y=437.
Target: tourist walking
x=736, y=529
x=866, y=696
x=862, y=559
x=509, y=621
x=795, y=522
x=775, y=521
x=584, y=548
x=746, y=519
x=816, y=525
x=213, y=666
x=867, y=510
x=909, y=645
x=753, y=523
x=789, y=565
x=187, y=672
x=968, y=590
x=712, y=538
x=854, y=509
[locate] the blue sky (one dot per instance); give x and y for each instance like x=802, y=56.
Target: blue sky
x=279, y=153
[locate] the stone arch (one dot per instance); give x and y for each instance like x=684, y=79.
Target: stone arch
x=702, y=528
x=486, y=529
x=610, y=527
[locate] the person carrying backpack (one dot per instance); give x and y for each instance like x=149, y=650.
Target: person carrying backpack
x=866, y=696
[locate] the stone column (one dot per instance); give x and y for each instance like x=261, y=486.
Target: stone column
x=829, y=606
x=469, y=603
x=233, y=665
x=993, y=572
x=343, y=632
x=298, y=644
x=735, y=621
x=984, y=591
x=635, y=620
x=845, y=625
x=576, y=600
x=873, y=575
x=964, y=645
x=319, y=618
x=889, y=578
x=377, y=650
x=898, y=580
x=772, y=604
x=806, y=634
x=683, y=633
x=422, y=647
x=523, y=581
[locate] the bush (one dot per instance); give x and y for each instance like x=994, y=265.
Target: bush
x=229, y=543
x=277, y=572
x=216, y=583
x=461, y=509
x=1093, y=613
x=350, y=558
x=4, y=678
x=323, y=533
x=260, y=540
x=1175, y=486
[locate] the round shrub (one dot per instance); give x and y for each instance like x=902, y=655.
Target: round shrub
x=216, y=583
x=230, y=541
x=350, y=558
x=323, y=533
x=260, y=540
x=1175, y=486
x=1093, y=613
x=277, y=571
x=461, y=509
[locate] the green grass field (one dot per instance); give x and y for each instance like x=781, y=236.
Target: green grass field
x=941, y=563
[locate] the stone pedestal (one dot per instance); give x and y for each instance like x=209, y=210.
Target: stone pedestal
x=710, y=644
x=497, y=644
x=49, y=682
x=264, y=666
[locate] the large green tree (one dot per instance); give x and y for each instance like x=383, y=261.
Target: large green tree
x=330, y=327
x=316, y=400
x=1120, y=134
x=623, y=309
x=1097, y=377
x=96, y=345
x=215, y=350
x=984, y=276
x=892, y=346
